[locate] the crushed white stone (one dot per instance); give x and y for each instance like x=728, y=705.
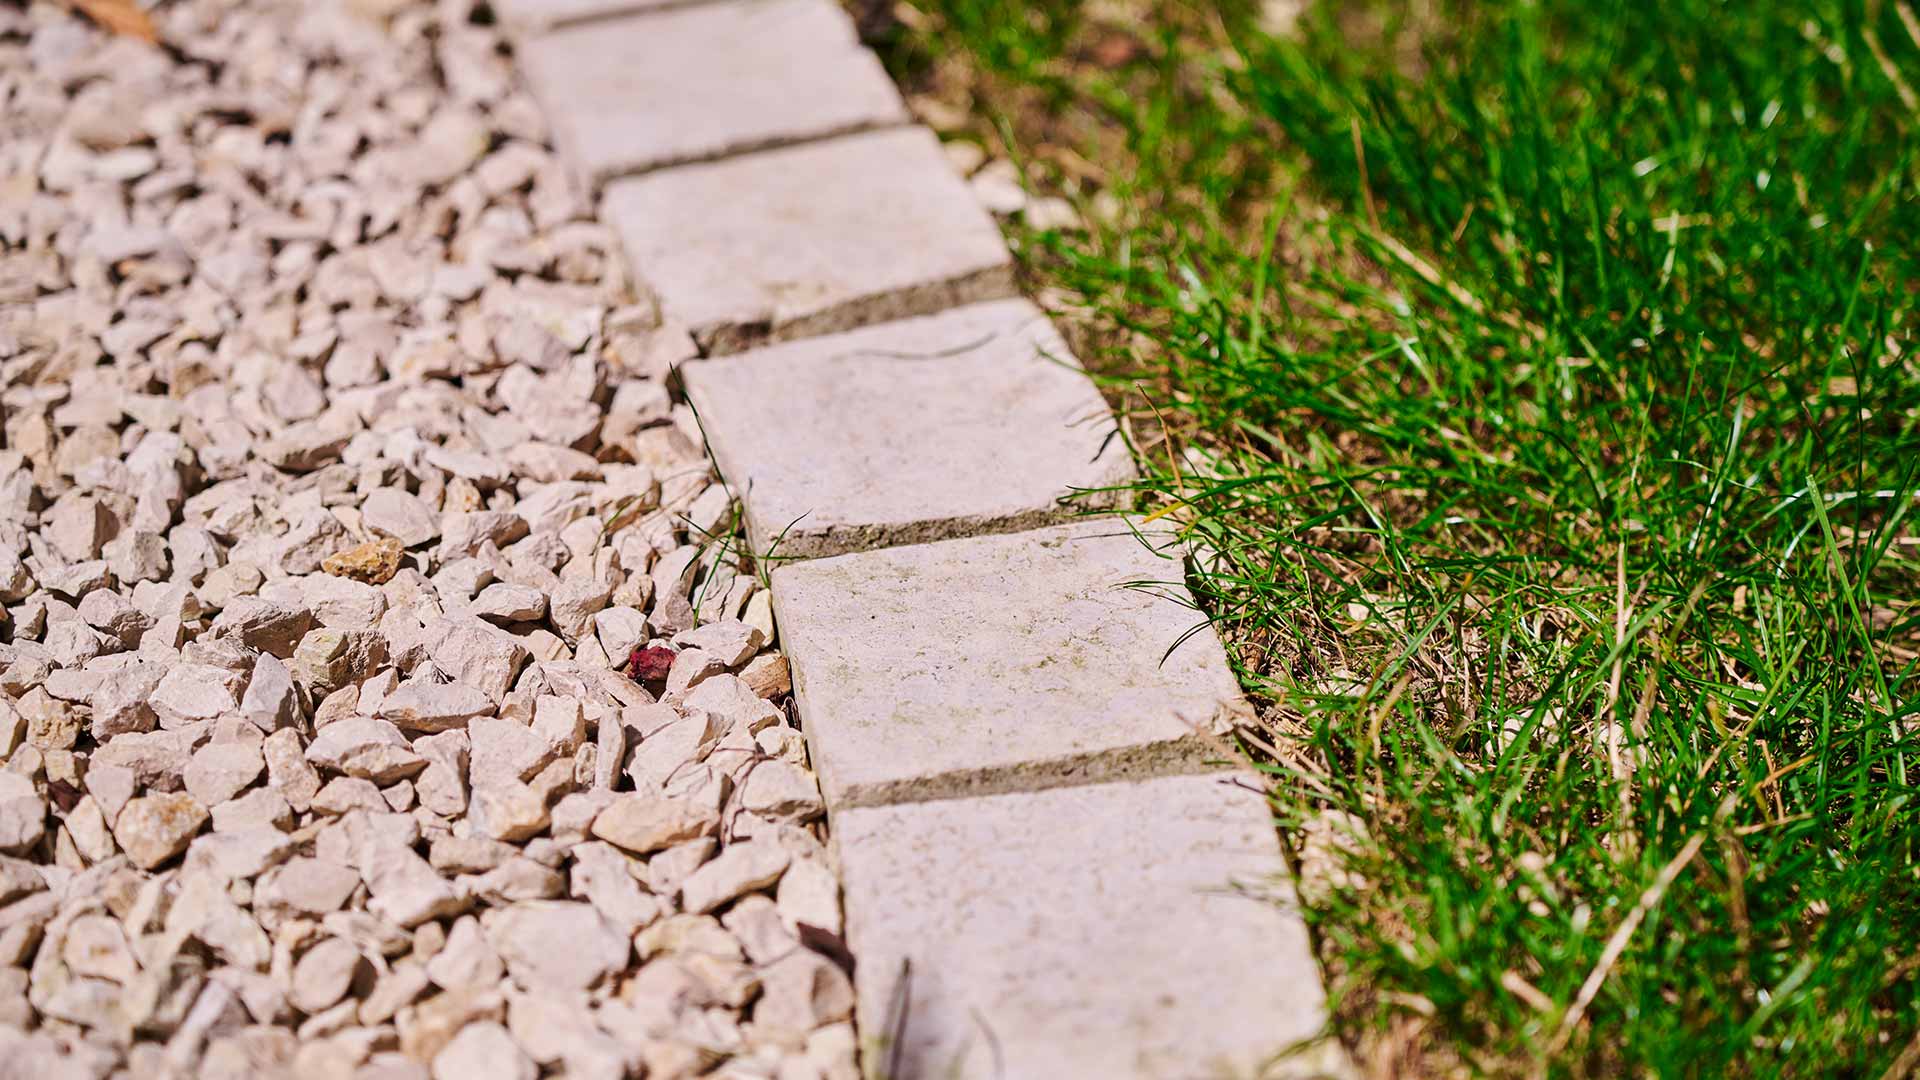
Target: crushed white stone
x=340, y=470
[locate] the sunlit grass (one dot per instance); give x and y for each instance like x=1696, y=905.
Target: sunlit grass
x=1535, y=384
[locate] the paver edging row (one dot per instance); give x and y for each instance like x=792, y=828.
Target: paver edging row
x=1198, y=1019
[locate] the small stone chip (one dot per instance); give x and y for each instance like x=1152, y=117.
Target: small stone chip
x=154, y=828
x=374, y=562
x=644, y=824
x=483, y=1051
x=424, y=706
x=557, y=944
x=325, y=973
x=742, y=868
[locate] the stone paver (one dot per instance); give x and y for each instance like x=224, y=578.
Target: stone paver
x=997, y=663
x=693, y=84
x=969, y=422
x=809, y=239
x=1086, y=931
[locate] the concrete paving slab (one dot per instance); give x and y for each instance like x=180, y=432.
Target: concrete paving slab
x=1085, y=931
x=999, y=663
x=809, y=239
x=694, y=84
x=973, y=421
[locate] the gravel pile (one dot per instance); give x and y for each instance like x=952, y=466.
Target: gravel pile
x=342, y=494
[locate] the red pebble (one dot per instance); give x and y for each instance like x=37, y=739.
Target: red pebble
x=650, y=664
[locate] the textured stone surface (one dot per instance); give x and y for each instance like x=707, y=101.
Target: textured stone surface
x=663, y=88
x=998, y=663
x=972, y=421
x=809, y=239
x=1087, y=931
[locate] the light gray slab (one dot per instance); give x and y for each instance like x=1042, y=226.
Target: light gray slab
x=999, y=663
x=972, y=421
x=809, y=239
x=661, y=88
x=1087, y=931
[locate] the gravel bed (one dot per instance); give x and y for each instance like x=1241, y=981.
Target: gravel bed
x=381, y=693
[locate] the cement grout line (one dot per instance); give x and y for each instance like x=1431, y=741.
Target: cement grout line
x=525, y=18
x=598, y=185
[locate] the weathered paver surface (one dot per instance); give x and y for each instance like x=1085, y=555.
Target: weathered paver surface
x=997, y=663
x=968, y=422
x=1084, y=931
x=809, y=239
x=692, y=84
